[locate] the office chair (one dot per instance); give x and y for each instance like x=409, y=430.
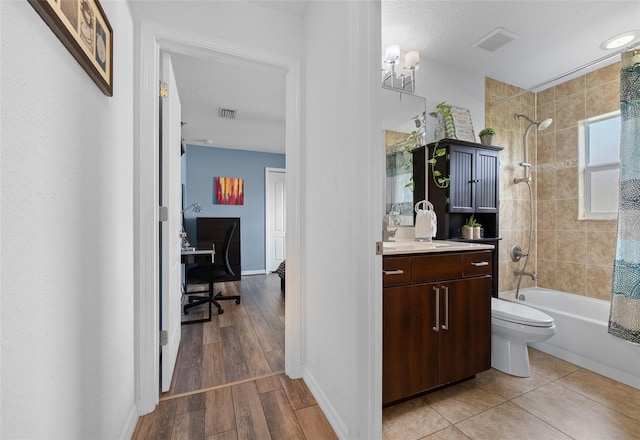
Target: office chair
x=206, y=273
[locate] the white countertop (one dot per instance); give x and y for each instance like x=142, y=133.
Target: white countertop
x=401, y=247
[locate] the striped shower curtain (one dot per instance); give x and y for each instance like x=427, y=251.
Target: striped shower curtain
x=624, y=319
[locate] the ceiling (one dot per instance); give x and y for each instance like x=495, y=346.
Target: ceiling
x=554, y=38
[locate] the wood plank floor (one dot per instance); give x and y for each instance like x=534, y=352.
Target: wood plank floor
x=229, y=380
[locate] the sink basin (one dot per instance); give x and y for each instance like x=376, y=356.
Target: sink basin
x=409, y=244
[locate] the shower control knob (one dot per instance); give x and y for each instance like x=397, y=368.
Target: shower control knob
x=516, y=253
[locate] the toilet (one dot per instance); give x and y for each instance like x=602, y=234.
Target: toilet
x=512, y=326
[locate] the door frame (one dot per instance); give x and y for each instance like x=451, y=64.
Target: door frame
x=267, y=197
x=151, y=38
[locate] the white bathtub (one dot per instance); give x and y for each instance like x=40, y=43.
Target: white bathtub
x=581, y=334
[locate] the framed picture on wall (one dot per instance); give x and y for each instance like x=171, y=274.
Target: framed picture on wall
x=83, y=27
x=229, y=191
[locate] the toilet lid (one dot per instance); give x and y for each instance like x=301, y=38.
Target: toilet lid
x=519, y=314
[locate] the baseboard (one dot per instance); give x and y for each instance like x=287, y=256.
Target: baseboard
x=130, y=426
x=329, y=411
x=254, y=272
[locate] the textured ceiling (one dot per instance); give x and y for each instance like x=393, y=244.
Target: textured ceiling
x=555, y=37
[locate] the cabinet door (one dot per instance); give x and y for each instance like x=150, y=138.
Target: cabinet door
x=461, y=187
x=409, y=345
x=465, y=333
x=486, y=181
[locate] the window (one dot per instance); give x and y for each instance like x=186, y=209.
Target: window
x=599, y=166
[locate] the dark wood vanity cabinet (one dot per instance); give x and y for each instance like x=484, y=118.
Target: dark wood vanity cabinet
x=436, y=321
x=474, y=189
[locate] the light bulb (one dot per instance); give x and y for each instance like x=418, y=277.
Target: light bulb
x=412, y=60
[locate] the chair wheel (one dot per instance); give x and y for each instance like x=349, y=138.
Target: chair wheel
x=220, y=311
x=238, y=301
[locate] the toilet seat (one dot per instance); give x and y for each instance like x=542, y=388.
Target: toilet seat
x=519, y=314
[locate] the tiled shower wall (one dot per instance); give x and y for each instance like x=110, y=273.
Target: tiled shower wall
x=570, y=255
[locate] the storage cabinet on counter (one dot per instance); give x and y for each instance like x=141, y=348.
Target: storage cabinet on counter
x=436, y=321
x=474, y=189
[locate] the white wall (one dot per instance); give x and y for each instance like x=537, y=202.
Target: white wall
x=438, y=83
x=236, y=21
x=342, y=181
x=67, y=255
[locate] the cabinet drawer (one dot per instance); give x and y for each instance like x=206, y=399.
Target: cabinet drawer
x=396, y=271
x=429, y=268
x=476, y=263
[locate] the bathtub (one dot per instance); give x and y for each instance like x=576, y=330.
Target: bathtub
x=581, y=334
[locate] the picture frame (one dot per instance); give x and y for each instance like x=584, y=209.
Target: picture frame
x=84, y=29
x=461, y=118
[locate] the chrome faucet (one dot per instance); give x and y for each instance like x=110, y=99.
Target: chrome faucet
x=533, y=275
x=388, y=234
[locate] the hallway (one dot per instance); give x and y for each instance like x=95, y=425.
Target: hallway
x=229, y=380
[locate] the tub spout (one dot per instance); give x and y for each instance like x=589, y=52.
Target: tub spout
x=533, y=275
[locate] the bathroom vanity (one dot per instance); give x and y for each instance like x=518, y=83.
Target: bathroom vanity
x=436, y=315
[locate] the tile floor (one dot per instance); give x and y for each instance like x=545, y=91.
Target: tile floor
x=559, y=401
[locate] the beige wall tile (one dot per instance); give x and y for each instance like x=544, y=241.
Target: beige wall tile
x=610, y=73
x=569, y=88
x=567, y=216
x=571, y=277
x=599, y=281
x=546, y=185
x=547, y=273
x=567, y=183
x=567, y=145
x=545, y=111
x=602, y=99
x=570, y=110
x=547, y=245
x=572, y=247
x=546, y=215
x=601, y=247
x=546, y=148
x=547, y=96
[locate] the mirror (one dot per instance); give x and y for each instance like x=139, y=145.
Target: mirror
x=398, y=111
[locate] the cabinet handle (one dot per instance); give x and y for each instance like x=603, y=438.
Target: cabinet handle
x=445, y=326
x=393, y=272
x=480, y=263
x=437, y=327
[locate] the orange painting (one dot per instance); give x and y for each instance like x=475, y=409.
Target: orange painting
x=229, y=191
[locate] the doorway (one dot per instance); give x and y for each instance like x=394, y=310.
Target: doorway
x=153, y=39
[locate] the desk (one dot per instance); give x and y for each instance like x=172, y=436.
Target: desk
x=202, y=256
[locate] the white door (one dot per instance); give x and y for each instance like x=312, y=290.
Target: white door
x=170, y=244
x=275, y=179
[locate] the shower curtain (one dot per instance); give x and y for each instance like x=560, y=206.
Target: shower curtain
x=624, y=319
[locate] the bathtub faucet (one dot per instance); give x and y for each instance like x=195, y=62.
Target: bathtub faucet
x=518, y=273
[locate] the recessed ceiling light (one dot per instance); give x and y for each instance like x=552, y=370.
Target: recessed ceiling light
x=620, y=40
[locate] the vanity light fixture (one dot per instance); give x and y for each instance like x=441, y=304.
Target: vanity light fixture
x=621, y=40
x=402, y=83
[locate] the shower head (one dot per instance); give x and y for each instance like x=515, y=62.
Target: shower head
x=545, y=123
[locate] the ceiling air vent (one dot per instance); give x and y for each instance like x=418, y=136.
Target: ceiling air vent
x=226, y=113
x=496, y=39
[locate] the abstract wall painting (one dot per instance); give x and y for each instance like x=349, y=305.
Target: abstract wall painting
x=229, y=191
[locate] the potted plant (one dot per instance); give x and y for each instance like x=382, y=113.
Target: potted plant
x=486, y=136
x=471, y=228
x=444, y=129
